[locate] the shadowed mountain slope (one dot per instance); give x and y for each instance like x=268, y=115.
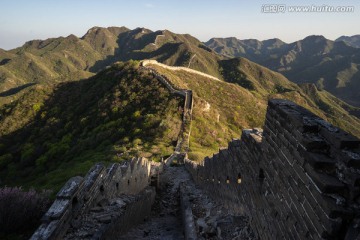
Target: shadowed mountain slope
x=55, y=132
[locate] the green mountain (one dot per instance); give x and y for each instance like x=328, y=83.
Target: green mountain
x=71, y=58
x=333, y=66
x=223, y=108
x=353, y=41
x=254, y=49
x=55, y=132
x=66, y=103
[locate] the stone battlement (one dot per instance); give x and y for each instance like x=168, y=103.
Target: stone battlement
x=296, y=179
x=80, y=194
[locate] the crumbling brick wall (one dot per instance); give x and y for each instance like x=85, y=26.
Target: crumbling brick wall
x=80, y=194
x=298, y=179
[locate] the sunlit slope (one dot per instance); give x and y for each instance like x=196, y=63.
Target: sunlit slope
x=222, y=109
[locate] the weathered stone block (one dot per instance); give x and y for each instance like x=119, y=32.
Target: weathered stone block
x=325, y=183
x=57, y=209
x=313, y=142
x=46, y=231
x=338, y=137
x=350, y=157
x=319, y=161
x=70, y=188
x=310, y=124
x=96, y=172
x=313, y=218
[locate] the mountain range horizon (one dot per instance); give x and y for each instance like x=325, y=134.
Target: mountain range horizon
x=346, y=38
x=289, y=59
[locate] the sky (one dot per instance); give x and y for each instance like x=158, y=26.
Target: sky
x=24, y=20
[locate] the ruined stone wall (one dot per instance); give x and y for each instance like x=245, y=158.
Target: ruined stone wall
x=80, y=194
x=176, y=68
x=132, y=215
x=184, y=135
x=299, y=179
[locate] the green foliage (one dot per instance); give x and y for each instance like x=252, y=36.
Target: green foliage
x=222, y=110
x=137, y=114
x=195, y=156
x=136, y=142
x=115, y=109
x=81, y=122
x=281, y=89
x=37, y=107
x=231, y=73
x=5, y=160
x=27, y=153
x=52, y=132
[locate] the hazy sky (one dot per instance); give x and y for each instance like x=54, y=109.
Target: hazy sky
x=23, y=20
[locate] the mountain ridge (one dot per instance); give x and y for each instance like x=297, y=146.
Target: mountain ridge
x=72, y=58
x=54, y=131
x=353, y=41
x=331, y=65
x=50, y=63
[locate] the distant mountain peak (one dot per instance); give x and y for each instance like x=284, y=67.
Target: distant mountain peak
x=232, y=38
x=316, y=38
x=142, y=30
x=353, y=41
x=72, y=37
x=97, y=30
x=94, y=29
x=348, y=37
x=273, y=40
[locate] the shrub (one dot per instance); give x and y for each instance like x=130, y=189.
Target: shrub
x=20, y=211
x=137, y=142
x=195, y=156
x=137, y=114
x=5, y=160
x=37, y=107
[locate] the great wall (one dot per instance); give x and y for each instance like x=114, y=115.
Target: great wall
x=298, y=178
x=175, y=68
